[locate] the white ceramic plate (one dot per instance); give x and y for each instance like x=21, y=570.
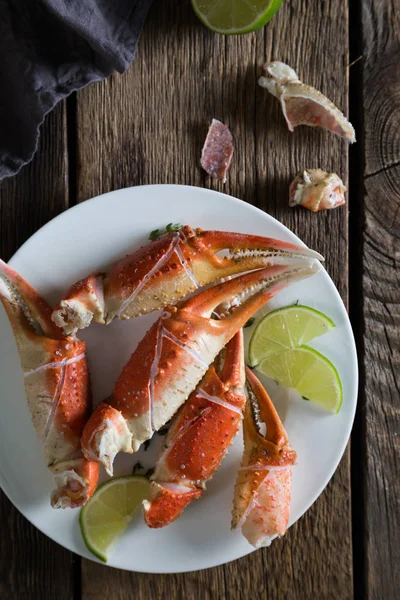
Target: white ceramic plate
x=85, y=239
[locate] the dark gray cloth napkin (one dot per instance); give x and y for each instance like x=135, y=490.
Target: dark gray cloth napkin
x=50, y=48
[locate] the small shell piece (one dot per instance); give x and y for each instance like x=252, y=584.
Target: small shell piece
x=316, y=190
x=217, y=151
x=302, y=104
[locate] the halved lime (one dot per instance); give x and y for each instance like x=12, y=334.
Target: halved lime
x=285, y=328
x=309, y=373
x=231, y=17
x=107, y=514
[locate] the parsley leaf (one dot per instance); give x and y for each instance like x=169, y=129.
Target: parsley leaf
x=156, y=233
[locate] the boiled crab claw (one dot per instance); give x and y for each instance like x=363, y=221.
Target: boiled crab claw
x=174, y=355
x=167, y=270
x=199, y=437
x=57, y=388
x=262, y=492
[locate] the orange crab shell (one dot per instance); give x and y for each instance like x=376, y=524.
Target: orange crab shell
x=57, y=387
x=168, y=501
x=198, y=439
x=262, y=492
x=165, y=271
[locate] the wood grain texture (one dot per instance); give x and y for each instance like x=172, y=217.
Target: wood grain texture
x=40, y=191
x=31, y=565
x=381, y=287
x=148, y=127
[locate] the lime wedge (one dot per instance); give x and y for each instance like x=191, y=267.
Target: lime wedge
x=309, y=373
x=107, y=514
x=286, y=328
x=235, y=16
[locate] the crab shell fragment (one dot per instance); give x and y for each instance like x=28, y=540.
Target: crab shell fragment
x=57, y=388
x=317, y=190
x=217, y=151
x=302, y=104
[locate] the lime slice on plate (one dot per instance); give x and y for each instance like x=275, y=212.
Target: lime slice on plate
x=107, y=514
x=235, y=16
x=309, y=373
x=286, y=328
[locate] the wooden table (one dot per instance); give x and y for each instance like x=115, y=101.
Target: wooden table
x=148, y=127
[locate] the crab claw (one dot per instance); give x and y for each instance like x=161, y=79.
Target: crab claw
x=302, y=104
x=167, y=270
x=56, y=384
x=262, y=493
x=176, y=352
x=198, y=438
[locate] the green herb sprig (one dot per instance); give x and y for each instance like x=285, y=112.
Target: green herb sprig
x=156, y=233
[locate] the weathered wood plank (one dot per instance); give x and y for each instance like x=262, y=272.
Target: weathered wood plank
x=40, y=191
x=32, y=566
x=381, y=288
x=148, y=127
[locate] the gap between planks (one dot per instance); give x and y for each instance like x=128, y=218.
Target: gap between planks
x=356, y=217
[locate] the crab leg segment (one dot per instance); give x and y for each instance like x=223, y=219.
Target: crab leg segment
x=175, y=354
x=57, y=388
x=167, y=270
x=198, y=439
x=262, y=493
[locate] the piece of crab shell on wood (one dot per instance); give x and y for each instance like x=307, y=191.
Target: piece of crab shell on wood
x=302, y=104
x=317, y=190
x=217, y=151
x=57, y=388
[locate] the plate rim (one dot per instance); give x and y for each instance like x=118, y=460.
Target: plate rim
x=353, y=349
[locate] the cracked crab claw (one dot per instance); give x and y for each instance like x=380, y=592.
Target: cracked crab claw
x=57, y=388
x=175, y=354
x=302, y=104
x=167, y=270
x=262, y=492
x=198, y=439
x=317, y=190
